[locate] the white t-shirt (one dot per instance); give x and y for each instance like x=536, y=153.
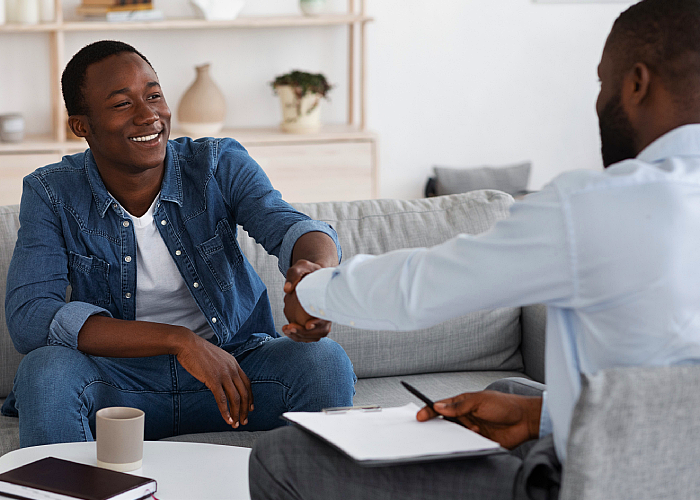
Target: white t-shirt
x=161, y=293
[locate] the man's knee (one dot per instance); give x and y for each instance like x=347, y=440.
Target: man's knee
x=517, y=385
x=268, y=467
x=49, y=371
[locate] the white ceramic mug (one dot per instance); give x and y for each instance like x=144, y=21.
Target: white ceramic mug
x=120, y=438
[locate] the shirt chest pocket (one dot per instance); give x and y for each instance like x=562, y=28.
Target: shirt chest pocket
x=222, y=255
x=89, y=279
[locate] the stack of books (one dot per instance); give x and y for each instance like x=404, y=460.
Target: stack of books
x=119, y=10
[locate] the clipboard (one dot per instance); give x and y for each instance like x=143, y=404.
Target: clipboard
x=374, y=436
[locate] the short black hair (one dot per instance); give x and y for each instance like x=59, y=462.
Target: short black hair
x=73, y=78
x=665, y=36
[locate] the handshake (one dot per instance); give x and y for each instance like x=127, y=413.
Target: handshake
x=302, y=327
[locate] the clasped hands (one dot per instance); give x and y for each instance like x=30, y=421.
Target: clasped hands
x=302, y=326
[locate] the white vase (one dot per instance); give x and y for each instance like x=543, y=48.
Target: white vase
x=312, y=7
x=299, y=116
x=27, y=11
x=47, y=11
x=202, y=109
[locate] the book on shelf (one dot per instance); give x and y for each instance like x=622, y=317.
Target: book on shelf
x=112, y=3
x=101, y=10
x=56, y=479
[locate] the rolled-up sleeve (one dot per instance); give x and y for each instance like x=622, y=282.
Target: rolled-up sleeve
x=297, y=231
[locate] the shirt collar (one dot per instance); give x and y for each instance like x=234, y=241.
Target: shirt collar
x=681, y=141
x=171, y=188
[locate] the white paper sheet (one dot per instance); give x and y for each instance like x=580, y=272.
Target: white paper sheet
x=393, y=435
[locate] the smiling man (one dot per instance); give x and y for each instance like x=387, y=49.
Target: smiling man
x=164, y=313
x=612, y=254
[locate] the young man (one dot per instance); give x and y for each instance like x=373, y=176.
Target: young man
x=165, y=314
x=612, y=254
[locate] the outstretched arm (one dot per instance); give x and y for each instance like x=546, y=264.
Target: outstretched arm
x=508, y=419
x=312, y=251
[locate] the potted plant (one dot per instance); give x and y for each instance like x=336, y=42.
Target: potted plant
x=300, y=95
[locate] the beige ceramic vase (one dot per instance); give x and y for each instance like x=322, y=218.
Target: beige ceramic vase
x=202, y=109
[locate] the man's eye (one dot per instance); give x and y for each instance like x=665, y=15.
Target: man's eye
x=154, y=96
x=121, y=104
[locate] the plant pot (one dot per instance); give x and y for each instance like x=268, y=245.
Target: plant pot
x=312, y=7
x=202, y=109
x=299, y=116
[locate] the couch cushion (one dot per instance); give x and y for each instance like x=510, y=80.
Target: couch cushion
x=9, y=357
x=486, y=340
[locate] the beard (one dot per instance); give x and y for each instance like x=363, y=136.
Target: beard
x=617, y=137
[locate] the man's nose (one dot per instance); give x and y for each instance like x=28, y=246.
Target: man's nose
x=145, y=114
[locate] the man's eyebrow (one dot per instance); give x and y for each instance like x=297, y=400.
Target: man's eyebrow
x=126, y=90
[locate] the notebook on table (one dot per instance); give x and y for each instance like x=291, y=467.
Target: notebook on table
x=56, y=479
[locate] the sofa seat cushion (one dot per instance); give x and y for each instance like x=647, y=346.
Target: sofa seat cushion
x=388, y=391
x=484, y=340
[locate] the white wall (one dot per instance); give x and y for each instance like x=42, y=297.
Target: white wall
x=452, y=82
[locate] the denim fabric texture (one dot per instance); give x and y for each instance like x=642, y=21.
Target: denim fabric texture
x=59, y=390
x=74, y=233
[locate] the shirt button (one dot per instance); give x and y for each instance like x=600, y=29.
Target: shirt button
x=321, y=312
x=114, y=205
x=213, y=320
x=125, y=223
x=312, y=309
x=178, y=252
x=195, y=284
x=127, y=258
x=163, y=222
x=127, y=295
x=352, y=323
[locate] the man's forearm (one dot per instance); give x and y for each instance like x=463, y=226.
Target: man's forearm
x=109, y=337
x=316, y=247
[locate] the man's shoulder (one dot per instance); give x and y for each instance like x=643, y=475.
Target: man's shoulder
x=67, y=173
x=186, y=147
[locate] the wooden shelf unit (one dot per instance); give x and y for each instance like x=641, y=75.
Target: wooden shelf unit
x=339, y=138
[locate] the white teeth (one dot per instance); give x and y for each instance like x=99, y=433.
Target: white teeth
x=144, y=138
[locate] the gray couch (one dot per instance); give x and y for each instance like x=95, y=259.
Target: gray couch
x=459, y=355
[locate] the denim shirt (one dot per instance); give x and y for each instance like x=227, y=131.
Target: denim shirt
x=73, y=232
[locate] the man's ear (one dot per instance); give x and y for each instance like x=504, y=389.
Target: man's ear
x=79, y=125
x=636, y=85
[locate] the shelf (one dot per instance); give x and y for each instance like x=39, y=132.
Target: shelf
x=192, y=24
x=246, y=136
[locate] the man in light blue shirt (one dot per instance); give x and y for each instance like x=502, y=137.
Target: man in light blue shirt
x=613, y=255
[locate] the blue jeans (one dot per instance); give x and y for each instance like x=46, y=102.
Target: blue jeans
x=58, y=390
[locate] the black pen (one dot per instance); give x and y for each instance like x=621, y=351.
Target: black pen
x=428, y=402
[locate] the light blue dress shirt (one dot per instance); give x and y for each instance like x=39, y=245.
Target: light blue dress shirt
x=615, y=256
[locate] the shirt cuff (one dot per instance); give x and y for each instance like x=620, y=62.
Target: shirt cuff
x=297, y=231
x=68, y=321
x=311, y=291
x=545, y=420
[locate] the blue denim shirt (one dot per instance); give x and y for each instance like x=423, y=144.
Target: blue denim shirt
x=74, y=233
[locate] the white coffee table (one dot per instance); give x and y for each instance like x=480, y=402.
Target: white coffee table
x=184, y=471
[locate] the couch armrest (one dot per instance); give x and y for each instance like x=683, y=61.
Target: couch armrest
x=533, y=321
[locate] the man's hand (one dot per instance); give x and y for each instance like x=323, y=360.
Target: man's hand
x=313, y=329
x=508, y=419
x=220, y=372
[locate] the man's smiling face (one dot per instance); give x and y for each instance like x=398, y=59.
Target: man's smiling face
x=128, y=118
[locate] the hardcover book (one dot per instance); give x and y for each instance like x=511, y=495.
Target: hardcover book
x=55, y=479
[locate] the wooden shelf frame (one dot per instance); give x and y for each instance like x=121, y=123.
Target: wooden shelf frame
x=355, y=19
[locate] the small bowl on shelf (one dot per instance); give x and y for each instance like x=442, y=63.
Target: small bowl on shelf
x=218, y=10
